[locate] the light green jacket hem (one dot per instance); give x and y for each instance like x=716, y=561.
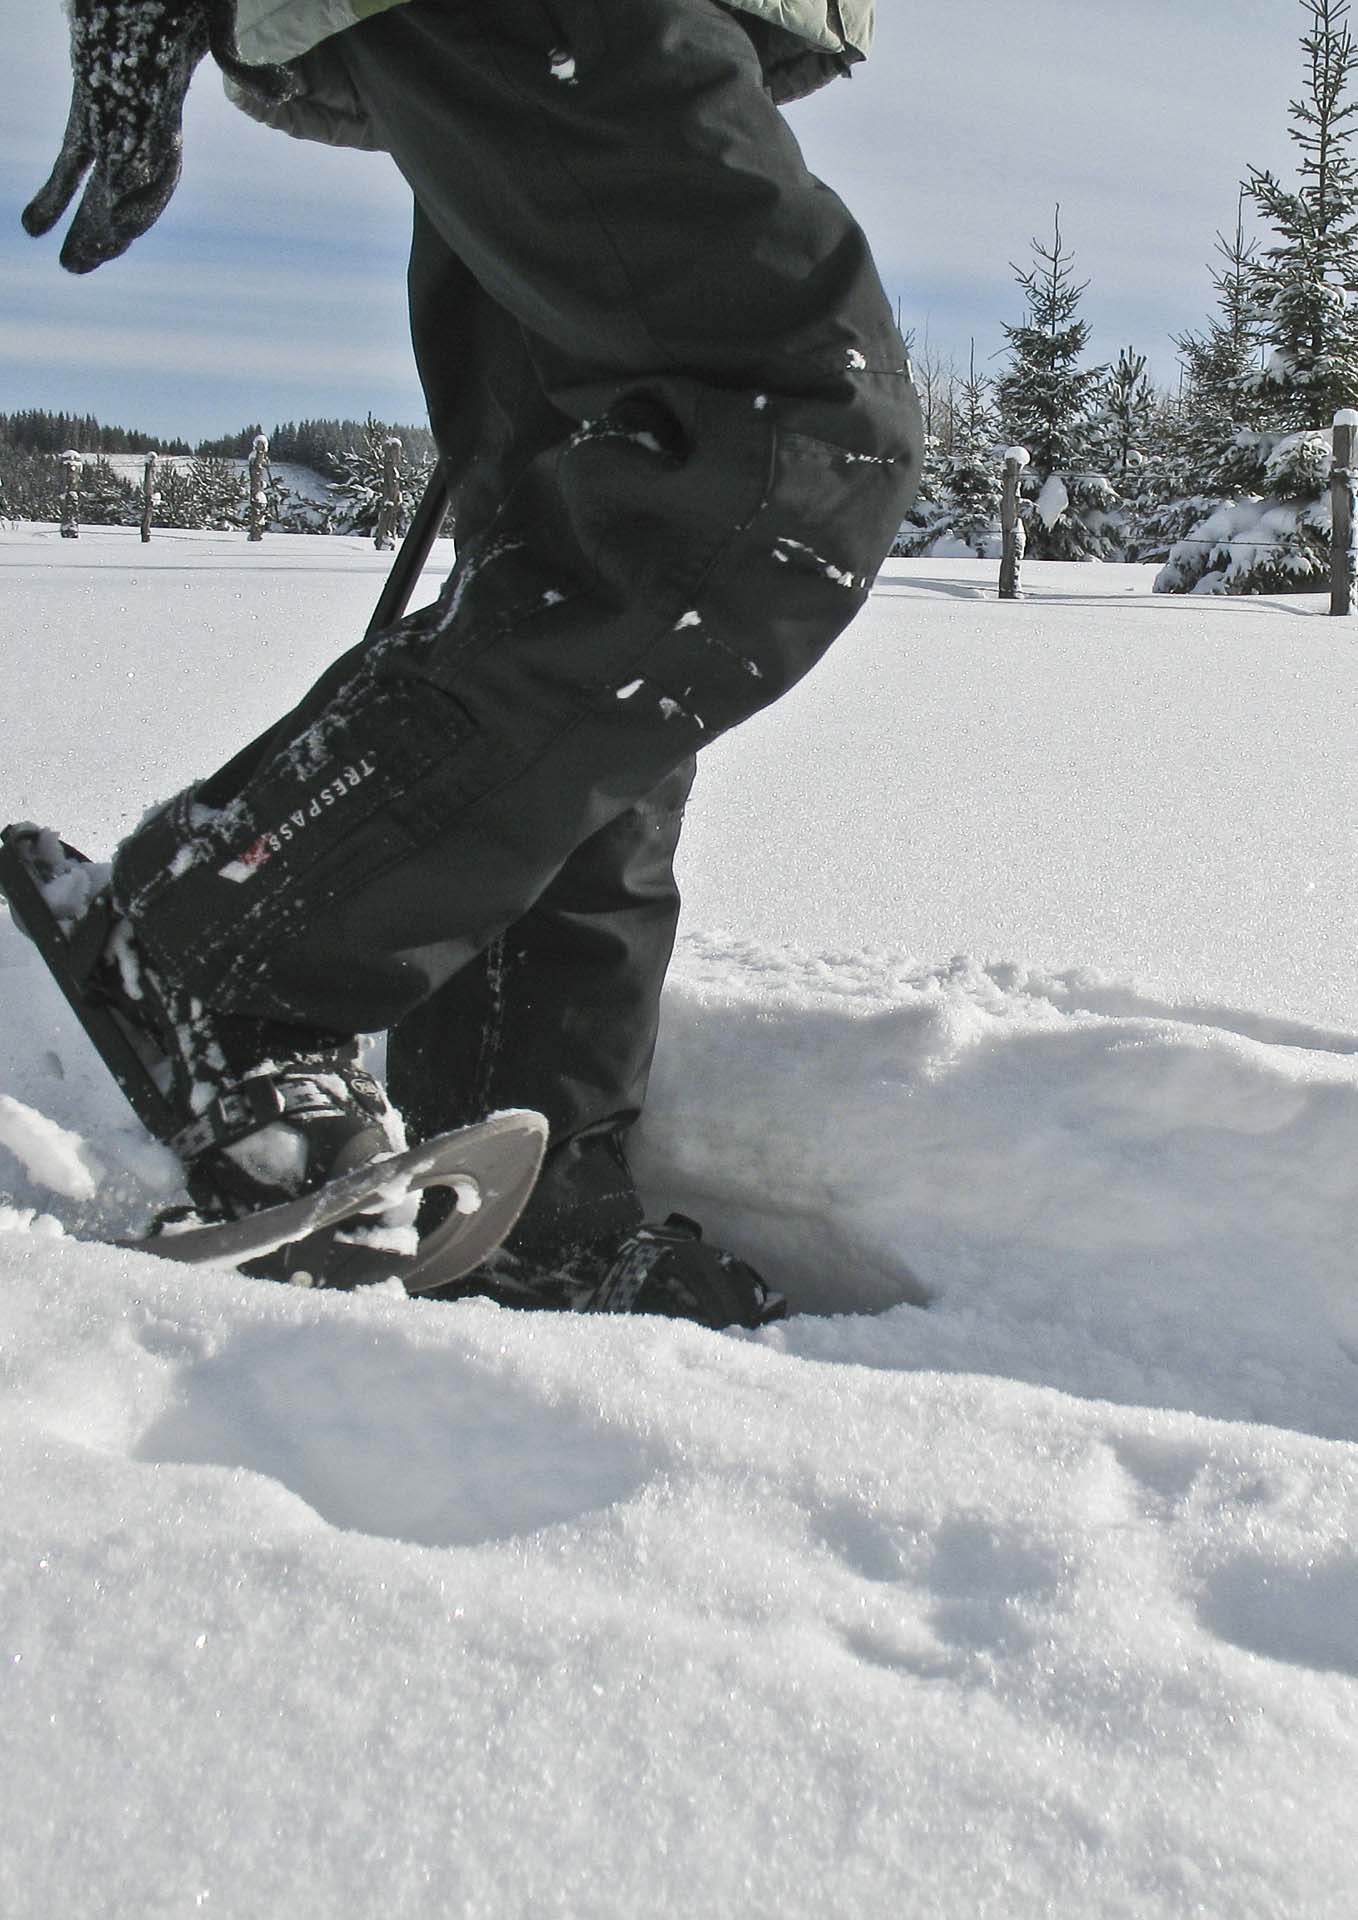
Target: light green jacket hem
x=273, y=30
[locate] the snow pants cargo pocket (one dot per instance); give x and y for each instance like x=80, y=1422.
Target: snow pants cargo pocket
x=211, y=890
x=783, y=588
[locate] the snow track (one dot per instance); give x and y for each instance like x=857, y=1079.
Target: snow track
x=1133, y=1204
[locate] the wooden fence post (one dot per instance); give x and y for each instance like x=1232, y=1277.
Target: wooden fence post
x=259, y=487
x=150, y=499
x=389, y=513
x=70, y=500
x=1343, y=558
x=1011, y=525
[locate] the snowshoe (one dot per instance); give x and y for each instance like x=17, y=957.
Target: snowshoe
x=293, y=1156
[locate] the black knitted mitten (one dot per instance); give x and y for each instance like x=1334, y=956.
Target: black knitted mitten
x=132, y=61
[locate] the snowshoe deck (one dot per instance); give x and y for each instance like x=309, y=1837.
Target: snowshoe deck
x=491, y=1167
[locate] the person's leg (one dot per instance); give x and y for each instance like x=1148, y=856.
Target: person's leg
x=560, y=1012
x=738, y=442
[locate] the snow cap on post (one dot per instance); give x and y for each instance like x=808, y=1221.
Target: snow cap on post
x=1020, y=455
x=1346, y=417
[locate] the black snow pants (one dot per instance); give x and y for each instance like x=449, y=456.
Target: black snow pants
x=679, y=435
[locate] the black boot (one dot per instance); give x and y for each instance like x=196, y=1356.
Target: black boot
x=257, y=1111
x=670, y=1270
x=583, y=1246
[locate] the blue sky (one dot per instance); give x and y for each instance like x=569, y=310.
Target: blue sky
x=273, y=287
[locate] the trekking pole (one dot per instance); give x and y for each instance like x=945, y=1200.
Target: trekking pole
x=412, y=554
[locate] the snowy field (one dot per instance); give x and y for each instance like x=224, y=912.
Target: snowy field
x=1015, y=1031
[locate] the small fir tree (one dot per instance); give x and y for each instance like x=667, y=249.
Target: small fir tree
x=1122, y=437
x=218, y=492
x=917, y=529
x=201, y=495
x=1271, y=534
x=359, y=489
x=1218, y=398
x=1124, y=422
x=1268, y=530
x=1305, y=287
x=177, y=507
x=963, y=515
x=34, y=484
x=105, y=499
x=1045, y=400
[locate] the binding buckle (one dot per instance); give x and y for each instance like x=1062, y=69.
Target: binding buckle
x=233, y=1115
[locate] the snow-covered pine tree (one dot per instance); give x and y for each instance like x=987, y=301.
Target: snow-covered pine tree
x=1157, y=484
x=358, y=491
x=33, y=484
x=217, y=491
x=1122, y=439
x=205, y=494
x=927, y=376
x=1045, y=401
x=176, y=507
x=1122, y=426
x=294, y=512
x=1217, y=398
x=963, y=516
x=1305, y=288
x=1270, y=532
x=974, y=476
x=917, y=530
x=105, y=500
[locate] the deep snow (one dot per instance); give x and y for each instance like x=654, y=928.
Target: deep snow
x=1042, y=1599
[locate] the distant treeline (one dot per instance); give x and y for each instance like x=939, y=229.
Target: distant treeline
x=35, y=431
x=306, y=443
x=315, y=443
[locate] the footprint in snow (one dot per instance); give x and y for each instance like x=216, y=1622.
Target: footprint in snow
x=428, y=1448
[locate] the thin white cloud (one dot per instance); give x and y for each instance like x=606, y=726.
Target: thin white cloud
x=310, y=292
x=303, y=363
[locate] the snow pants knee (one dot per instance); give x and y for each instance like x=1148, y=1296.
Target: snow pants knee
x=680, y=436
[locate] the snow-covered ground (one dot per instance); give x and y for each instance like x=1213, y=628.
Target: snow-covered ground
x=1017, y=1575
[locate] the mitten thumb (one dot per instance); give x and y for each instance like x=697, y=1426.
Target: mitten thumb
x=52, y=199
